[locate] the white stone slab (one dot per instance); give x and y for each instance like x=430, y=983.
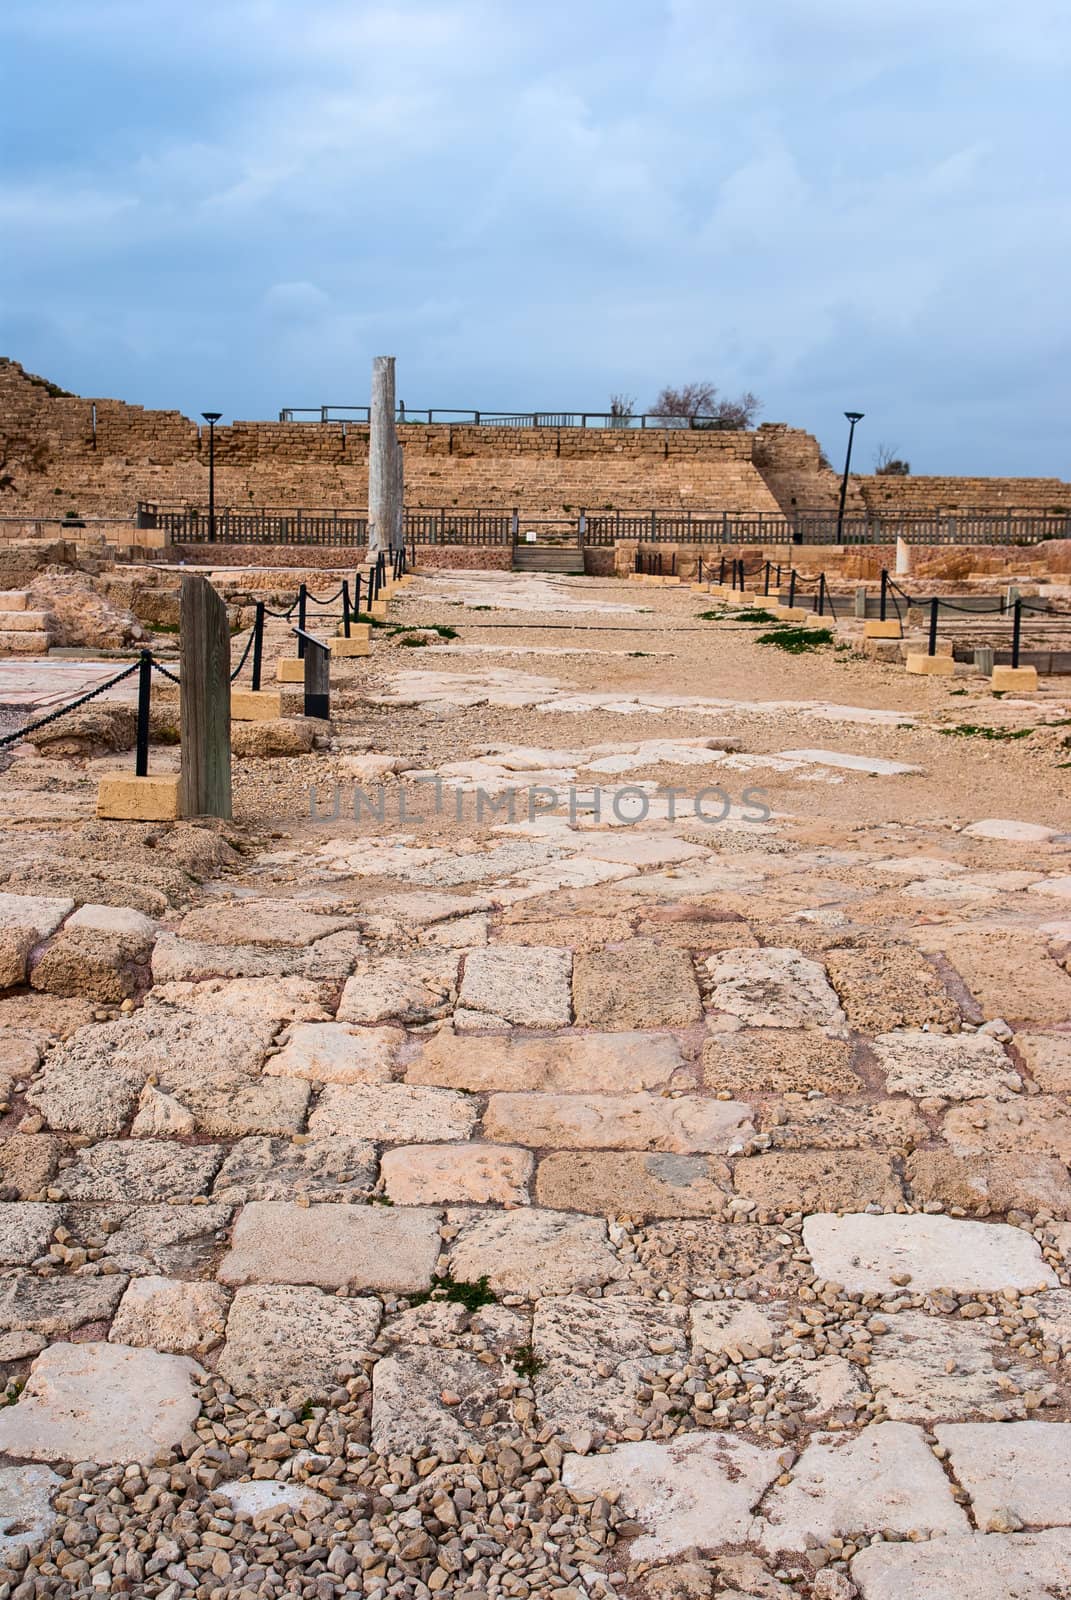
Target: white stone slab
x=1023, y=1467
x=874, y=766
x=862, y=1252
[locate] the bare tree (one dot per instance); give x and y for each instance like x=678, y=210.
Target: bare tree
x=887, y=464
x=696, y=405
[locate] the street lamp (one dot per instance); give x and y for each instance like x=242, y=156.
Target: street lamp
x=211, y=417
x=853, y=417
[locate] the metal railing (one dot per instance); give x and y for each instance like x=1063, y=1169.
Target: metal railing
x=477, y=526
x=426, y=416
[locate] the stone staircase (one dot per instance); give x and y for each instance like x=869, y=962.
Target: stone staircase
x=547, y=558
x=22, y=632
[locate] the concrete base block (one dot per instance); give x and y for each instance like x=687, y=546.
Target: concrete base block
x=377, y=609
x=254, y=705
x=358, y=630
x=791, y=613
x=932, y=666
x=290, y=669
x=347, y=649
x=1024, y=680
x=874, y=628
x=121, y=797
x=744, y=597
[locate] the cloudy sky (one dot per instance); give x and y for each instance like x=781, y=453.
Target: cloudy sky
x=837, y=204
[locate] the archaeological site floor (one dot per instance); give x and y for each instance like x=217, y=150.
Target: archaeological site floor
x=596, y=1123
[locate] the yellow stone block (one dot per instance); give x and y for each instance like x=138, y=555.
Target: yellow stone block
x=1024, y=680
x=747, y=599
x=290, y=669
x=636, y=577
x=255, y=705
x=791, y=613
x=874, y=628
x=378, y=609
x=932, y=666
x=347, y=649
x=358, y=630
x=122, y=797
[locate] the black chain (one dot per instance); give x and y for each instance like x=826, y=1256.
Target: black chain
x=156, y=667
x=245, y=654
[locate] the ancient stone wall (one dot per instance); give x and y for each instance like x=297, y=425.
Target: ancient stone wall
x=98, y=458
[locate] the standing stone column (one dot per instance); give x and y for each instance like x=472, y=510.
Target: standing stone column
x=382, y=446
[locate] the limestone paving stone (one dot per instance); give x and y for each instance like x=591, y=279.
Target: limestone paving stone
x=773, y=988
x=818, y=1180
x=278, y=1000
x=593, y=1353
x=813, y=1388
x=164, y=1042
x=94, y=1098
x=25, y=919
x=412, y=990
x=142, y=1169
x=55, y=1306
x=90, y=961
x=1041, y=1124
x=178, y=960
x=287, y=1344
x=393, y=1113
x=103, y=1403
x=884, y=1477
x=531, y=1251
x=900, y=990
x=28, y=1162
x=230, y=1105
x=1010, y=831
x=640, y=985
x=1047, y=1058
x=1008, y=971
x=432, y=1174
x=1021, y=1566
x=1054, y=1317
x=527, y=987
x=333, y=1167
x=607, y=1063
x=824, y=1124
x=864, y=1252
x=168, y=1314
x=252, y=920
x=26, y=1514
x=332, y=1246
x=956, y=1066
x=686, y=1123
x=160, y=1115
x=998, y=1183
x=699, y=1490
x=443, y=1400
x=633, y=1183
x=25, y=1230
x=925, y=1366
x=333, y=1052
x=778, y=1061
x=170, y=1241
x=737, y=1327
x=1018, y=1466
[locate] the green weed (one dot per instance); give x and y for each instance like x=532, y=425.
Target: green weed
x=797, y=640
x=526, y=1364
x=972, y=730
x=470, y=1295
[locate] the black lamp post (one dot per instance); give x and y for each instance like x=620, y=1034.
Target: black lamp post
x=211, y=417
x=853, y=417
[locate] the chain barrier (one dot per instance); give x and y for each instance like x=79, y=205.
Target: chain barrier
x=75, y=705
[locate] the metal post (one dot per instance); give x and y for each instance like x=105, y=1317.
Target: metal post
x=345, y=609
x=792, y=588
x=821, y=594
x=721, y=570
x=853, y=417
x=258, y=643
x=883, y=602
x=141, y=758
x=302, y=609
x=357, y=594
x=935, y=606
x=766, y=580
x=1017, y=628
x=211, y=417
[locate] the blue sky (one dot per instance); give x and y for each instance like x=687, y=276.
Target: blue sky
x=838, y=204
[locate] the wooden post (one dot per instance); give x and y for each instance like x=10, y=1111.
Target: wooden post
x=317, y=678
x=205, y=701
x=382, y=445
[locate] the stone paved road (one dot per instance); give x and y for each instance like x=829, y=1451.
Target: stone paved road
x=540, y=1207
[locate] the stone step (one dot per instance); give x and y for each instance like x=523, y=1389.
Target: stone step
x=24, y=621
x=14, y=600
x=23, y=644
